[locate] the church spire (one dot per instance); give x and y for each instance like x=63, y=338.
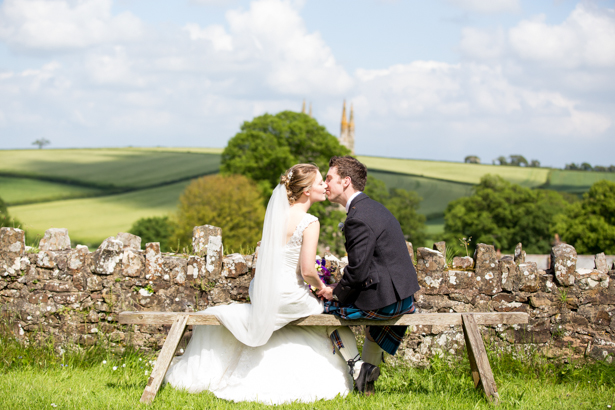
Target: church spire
x=303, y=107
x=351, y=122
x=310, y=110
x=344, y=122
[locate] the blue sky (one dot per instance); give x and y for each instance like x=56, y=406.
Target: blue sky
x=434, y=80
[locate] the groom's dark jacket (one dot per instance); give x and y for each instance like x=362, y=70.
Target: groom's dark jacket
x=380, y=270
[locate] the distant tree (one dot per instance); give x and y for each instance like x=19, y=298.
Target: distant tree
x=154, y=229
x=403, y=204
x=502, y=160
x=518, y=160
x=472, y=159
x=586, y=167
x=600, y=168
x=611, y=168
x=231, y=202
x=572, y=167
x=534, y=163
x=41, y=142
x=504, y=214
x=5, y=219
x=589, y=225
x=270, y=144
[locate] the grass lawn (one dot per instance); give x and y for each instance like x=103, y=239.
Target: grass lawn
x=88, y=383
x=20, y=190
x=457, y=171
x=108, y=168
x=90, y=220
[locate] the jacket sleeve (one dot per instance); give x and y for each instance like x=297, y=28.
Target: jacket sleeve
x=360, y=245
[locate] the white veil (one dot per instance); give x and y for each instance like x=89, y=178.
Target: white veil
x=252, y=324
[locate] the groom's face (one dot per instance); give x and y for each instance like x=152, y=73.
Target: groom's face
x=335, y=186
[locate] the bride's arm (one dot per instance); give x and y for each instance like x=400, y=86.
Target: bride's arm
x=307, y=259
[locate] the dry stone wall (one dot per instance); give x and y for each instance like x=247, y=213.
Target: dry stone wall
x=75, y=296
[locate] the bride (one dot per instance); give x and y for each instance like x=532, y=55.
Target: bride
x=254, y=356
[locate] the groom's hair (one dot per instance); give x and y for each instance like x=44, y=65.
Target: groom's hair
x=348, y=166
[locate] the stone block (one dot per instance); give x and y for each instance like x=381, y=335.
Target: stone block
x=410, y=250
x=440, y=247
x=530, y=280
x=460, y=279
x=12, y=241
x=174, y=269
x=484, y=259
x=564, y=264
x=600, y=263
x=196, y=268
x=510, y=274
x=587, y=279
x=58, y=286
x=153, y=260
x=76, y=258
x=233, y=266
x=46, y=259
x=202, y=237
x=55, y=239
x=430, y=268
x=129, y=241
x=542, y=299
x=519, y=254
x=107, y=259
x=463, y=262
x=132, y=263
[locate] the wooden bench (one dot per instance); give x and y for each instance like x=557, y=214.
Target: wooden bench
x=479, y=363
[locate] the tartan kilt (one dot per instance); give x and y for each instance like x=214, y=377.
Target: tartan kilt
x=387, y=337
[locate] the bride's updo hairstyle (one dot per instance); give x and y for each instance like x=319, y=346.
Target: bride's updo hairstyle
x=297, y=179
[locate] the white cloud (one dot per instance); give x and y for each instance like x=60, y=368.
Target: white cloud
x=488, y=6
x=482, y=44
x=61, y=24
x=586, y=37
x=215, y=33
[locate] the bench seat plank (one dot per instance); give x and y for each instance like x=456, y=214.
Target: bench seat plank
x=197, y=318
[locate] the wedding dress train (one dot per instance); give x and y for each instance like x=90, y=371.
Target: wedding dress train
x=295, y=364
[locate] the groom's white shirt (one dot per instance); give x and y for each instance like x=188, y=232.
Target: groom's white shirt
x=350, y=200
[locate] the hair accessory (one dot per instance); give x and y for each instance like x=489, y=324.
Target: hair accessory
x=289, y=177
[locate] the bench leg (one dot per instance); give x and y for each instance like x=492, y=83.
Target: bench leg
x=479, y=363
x=164, y=358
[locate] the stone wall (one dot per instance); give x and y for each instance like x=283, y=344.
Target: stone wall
x=75, y=295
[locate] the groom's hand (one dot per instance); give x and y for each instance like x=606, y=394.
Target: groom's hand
x=326, y=292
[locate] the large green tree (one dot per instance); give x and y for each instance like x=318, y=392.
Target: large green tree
x=270, y=144
x=267, y=146
x=503, y=214
x=589, y=225
x=154, y=229
x=231, y=202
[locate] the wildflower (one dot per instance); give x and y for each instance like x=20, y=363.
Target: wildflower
x=104, y=362
x=20, y=357
x=114, y=368
x=146, y=372
x=140, y=359
x=54, y=405
x=124, y=365
x=181, y=350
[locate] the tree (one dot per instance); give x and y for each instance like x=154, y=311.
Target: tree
x=154, y=229
x=534, y=163
x=600, y=168
x=41, y=142
x=472, y=159
x=503, y=214
x=270, y=144
x=572, y=167
x=5, y=219
x=502, y=160
x=231, y=202
x=589, y=225
x=585, y=166
x=518, y=160
x=403, y=204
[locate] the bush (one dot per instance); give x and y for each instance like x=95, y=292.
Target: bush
x=589, y=225
x=154, y=229
x=231, y=202
x=5, y=219
x=504, y=214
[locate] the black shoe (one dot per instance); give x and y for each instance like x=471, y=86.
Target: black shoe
x=368, y=375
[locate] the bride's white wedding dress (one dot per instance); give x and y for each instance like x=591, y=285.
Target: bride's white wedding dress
x=296, y=363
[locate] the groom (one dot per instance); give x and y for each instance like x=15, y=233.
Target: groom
x=380, y=280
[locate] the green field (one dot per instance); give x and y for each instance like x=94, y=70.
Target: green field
x=90, y=220
x=24, y=190
x=109, y=168
x=436, y=194
x=155, y=177
x=457, y=171
x=576, y=182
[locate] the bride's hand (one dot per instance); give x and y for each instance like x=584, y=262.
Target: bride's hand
x=326, y=292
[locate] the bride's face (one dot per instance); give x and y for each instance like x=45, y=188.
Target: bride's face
x=318, y=190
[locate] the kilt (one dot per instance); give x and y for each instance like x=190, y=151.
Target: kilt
x=388, y=337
